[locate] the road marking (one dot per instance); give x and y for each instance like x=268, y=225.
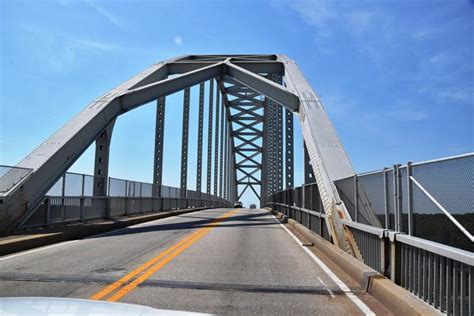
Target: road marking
x=327, y=287
x=37, y=249
x=357, y=301
x=86, y=238
x=123, y=286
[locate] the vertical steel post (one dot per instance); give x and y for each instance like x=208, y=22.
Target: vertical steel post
x=221, y=150
x=81, y=214
x=396, y=187
x=159, y=141
x=265, y=154
x=356, y=198
x=410, y=199
x=226, y=152
x=385, y=198
x=63, y=200
x=280, y=169
x=199, y=142
x=209, y=137
x=395, y=197
x=289, y=173
x=184, y=143
x=216, y=143
x=101, y=164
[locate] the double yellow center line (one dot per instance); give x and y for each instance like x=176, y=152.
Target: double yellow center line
x=126, y=284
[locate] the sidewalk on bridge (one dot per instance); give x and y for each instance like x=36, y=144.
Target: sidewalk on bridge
x=28, y=239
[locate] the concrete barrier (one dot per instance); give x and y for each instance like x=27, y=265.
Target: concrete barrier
x=39, y=238
x=395, y=298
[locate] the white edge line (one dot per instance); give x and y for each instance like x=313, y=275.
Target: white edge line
x=327, y=287
x=63, y=243
x=357, y=301
x=38, y=249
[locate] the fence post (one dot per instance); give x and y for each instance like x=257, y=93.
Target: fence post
x=395, y=196
x=141, y=199
x=126, y=197
x=81, y=214
x=356, y=198
x=63, y=215
x=410, y=199
x=385, y=197
x=48, y=212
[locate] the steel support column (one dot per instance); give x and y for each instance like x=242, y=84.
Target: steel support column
x=101, y=163
x=279, y=140
x=184, y=143
x=265, y=154
x=209, y=137
x=199, y=142
x=226, y=152
x=289, y=164
x=216, y=142
x=221, y=150
x=159, y=141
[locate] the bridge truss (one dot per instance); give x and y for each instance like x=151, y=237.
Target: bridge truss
x=257, y=97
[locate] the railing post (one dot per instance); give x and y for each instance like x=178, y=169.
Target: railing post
x=382, y=255
x=410, y=199
x=394, y=259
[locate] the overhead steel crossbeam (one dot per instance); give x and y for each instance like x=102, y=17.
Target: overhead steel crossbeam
x=254, y=89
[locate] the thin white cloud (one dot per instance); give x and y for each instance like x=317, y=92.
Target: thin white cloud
x=90, y=44
x=106, y=14
x=58, y=50
x=178, y=40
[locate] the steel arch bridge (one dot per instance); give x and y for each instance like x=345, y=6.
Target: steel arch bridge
x=257, y=98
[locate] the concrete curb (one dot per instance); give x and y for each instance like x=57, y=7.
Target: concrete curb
x=12, y=245
x=395, y=298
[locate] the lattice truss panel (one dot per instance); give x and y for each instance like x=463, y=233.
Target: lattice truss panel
x=246, y=112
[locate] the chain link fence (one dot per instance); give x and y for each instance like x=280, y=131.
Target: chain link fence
x=432, y=200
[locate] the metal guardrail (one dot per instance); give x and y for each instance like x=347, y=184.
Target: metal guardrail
x=440, y=274
x=431, y=200
x=72, y=199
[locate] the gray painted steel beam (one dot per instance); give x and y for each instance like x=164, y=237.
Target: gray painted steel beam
x=150, y=92
x=184, y=142
x=289, y=149
x=221, y=150
x=266, y=87
x=159, y=144
x=200, y=135
x=216, y=143
x=209, y=137
x=101, y=162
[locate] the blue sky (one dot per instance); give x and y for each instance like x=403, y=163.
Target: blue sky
x=396, y=77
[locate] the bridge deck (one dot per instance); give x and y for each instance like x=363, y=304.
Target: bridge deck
x=242, y=263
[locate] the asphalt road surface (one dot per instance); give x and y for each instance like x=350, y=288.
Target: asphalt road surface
x=219, y=261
